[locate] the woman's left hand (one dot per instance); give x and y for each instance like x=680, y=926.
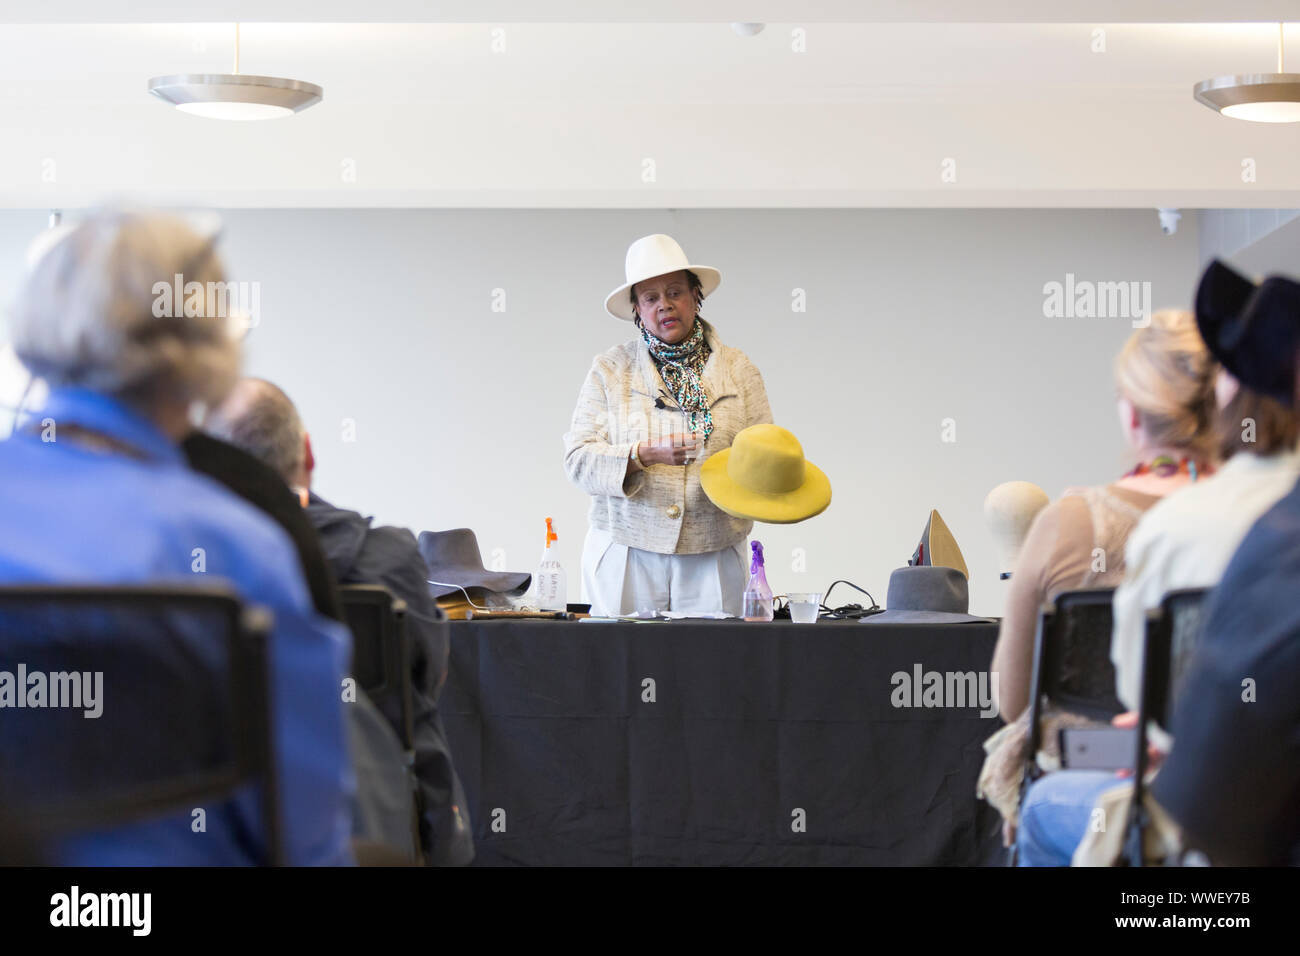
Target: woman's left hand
x=677, y=449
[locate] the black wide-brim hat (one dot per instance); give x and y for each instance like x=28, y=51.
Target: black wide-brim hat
x=454, y=559
x=1253, y=330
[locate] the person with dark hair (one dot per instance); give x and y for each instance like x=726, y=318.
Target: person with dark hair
x=1187, y=539
x=1232, y=779
x=649, y=414
x=260, y=419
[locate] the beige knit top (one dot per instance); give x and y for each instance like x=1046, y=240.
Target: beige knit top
x=1075, y=542
x=661, y=508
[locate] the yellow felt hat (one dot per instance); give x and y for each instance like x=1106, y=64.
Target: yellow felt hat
x=764, y=476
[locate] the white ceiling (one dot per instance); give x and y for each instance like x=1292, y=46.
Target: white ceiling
x=651, y=11
x=568, y=113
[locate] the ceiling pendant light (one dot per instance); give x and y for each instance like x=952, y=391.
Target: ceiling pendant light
x=1259, y=97
x=235, y=96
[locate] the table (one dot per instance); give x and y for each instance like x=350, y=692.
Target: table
x=719, y=742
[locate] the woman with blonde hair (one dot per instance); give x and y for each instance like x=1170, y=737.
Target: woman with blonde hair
x=1185, y=541
x=1165, y=382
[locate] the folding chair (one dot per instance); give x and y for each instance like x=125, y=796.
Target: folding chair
x=1072, y=669
x=1173, y=632
x=381, y=664
x=381, y=651
x=183, y=698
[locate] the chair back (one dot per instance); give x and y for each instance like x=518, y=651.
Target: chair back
x=1072, y=669
x=128, y=703
x=1173, y=631
x=381, y=651
x=381, y=664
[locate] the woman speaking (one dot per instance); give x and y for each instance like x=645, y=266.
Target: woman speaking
x=651, y=410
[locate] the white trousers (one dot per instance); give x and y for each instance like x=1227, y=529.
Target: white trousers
x=617, y=579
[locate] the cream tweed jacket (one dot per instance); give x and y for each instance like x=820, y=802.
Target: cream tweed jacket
x=661, y=508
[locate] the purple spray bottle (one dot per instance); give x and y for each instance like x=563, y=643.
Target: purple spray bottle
x=758, y=596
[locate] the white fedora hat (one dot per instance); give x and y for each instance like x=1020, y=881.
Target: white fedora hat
x=652, y=256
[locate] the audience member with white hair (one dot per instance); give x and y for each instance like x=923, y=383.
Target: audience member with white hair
x=96, y=490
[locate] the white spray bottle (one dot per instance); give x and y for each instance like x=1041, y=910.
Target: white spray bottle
x=551, y=586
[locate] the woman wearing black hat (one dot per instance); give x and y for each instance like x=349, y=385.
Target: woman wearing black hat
x=1233, y=781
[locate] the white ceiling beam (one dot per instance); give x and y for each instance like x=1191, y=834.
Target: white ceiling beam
x=1095, y=152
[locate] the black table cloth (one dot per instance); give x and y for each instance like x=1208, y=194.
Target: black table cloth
x=724, y=742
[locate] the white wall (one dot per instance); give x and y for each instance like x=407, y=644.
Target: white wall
x=913, y=316
x=1276, y=252
x=1223, y=233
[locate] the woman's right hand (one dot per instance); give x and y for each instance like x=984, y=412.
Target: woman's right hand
x=676, y=449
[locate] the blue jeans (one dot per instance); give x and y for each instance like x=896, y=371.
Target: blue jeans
x=1054, y=819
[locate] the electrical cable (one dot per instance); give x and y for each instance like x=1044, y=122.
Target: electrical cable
x=448, y=584
x=848, y=612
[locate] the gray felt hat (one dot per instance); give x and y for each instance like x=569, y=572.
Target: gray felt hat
x=454, y=559
x=927, y=594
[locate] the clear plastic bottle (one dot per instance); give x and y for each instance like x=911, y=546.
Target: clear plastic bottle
x=758, y=596
x=551, y=588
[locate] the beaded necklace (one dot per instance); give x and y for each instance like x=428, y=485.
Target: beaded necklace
x=1166, y=466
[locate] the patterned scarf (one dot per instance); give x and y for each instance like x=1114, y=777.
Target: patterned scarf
x=682, y=368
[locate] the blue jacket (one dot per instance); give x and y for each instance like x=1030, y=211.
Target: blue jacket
x=71, y=514
x=1232, y=779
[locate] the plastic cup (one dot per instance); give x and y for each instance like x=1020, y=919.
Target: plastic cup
x=804, y=607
